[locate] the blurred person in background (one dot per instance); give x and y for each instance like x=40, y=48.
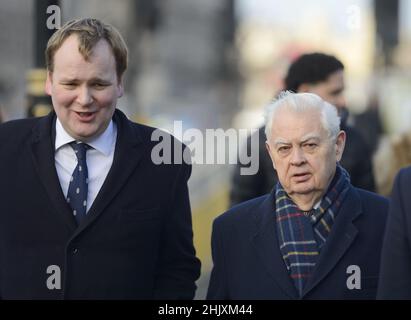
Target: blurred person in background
x=393, y=153
x=395, y=275
x=315, y=236
x=84, y=211
x=368, y=123
x=323, y=75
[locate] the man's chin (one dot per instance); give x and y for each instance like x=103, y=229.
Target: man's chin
x=85, y=134
x=302, y=188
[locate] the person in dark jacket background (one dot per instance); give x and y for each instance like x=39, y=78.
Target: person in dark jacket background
x=395, y=276
x=323, y=75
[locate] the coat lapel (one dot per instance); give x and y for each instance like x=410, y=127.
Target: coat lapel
x=342, y=236
x=42, y=150
x=266, y=244
x=128, y=152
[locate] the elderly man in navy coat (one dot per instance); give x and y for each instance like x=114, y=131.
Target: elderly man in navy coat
x=315, y=236
x=84, y=211
x=395, y=277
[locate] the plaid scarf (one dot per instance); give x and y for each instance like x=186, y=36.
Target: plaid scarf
x=302, y=237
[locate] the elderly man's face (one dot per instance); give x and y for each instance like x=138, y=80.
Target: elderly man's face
x=301, y=152
x=84, y=93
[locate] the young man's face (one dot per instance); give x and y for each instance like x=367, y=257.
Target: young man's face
x=84, y=93
x=331, y=90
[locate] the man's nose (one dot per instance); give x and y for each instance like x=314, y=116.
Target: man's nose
x=84, y=96
x=297, y=157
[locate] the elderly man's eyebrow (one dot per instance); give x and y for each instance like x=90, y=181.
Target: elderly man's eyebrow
x=279, y=141
x=310, y=136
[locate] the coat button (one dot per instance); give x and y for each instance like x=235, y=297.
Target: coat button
x=74, y=250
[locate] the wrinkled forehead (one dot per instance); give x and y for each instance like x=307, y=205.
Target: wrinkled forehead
x=297, y=126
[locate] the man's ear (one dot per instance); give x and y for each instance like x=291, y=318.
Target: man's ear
x=48, y=84
x=120, y=88
x=267, y=146
x=340, y=144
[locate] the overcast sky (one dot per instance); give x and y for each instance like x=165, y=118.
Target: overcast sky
x=289, y=12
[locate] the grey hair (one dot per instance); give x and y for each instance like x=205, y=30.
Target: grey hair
x=301, y=102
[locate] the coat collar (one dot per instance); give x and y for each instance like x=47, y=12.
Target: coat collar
x=342, y=236
x=42, y=150
x=265, y=241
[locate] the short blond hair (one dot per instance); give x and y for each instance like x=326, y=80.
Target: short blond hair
x=89, y=32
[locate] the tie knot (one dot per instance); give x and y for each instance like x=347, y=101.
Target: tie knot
x=80, y=149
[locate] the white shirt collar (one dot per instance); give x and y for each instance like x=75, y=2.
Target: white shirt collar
x=102, y=143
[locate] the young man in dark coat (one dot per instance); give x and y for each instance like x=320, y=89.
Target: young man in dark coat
x=84, y=211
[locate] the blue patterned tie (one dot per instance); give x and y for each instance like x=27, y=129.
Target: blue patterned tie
x=78, y=187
